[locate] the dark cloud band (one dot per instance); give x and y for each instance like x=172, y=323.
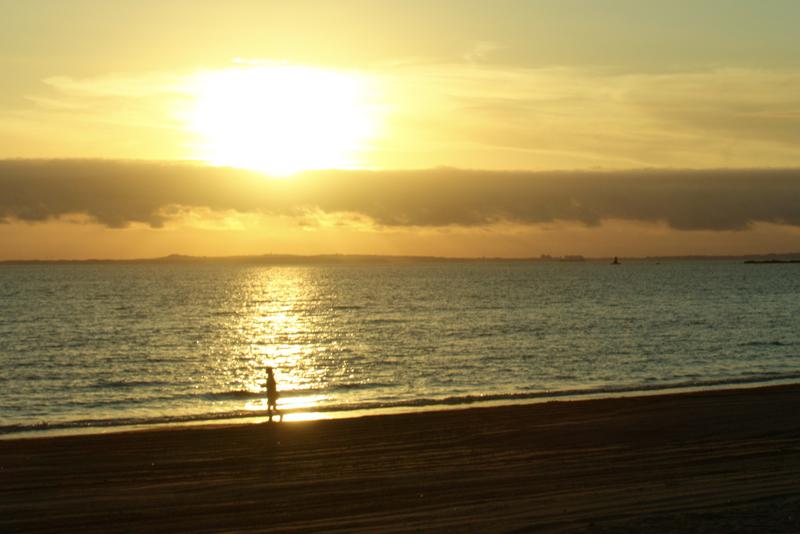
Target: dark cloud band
x=116, y=193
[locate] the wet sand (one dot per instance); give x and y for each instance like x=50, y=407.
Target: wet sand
x=724, y=461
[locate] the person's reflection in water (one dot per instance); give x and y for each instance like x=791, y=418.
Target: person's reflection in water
x=272, y=395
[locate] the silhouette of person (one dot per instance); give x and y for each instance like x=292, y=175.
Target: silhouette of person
x=272, y=395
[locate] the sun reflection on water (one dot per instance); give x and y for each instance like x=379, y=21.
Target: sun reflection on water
x=279, y=329
x=290, y=404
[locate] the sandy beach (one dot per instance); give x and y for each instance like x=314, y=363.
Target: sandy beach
x=722, y=461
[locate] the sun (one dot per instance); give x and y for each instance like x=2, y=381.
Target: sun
x=281, y=119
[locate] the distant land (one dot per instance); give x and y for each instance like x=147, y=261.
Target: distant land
x=293, y=259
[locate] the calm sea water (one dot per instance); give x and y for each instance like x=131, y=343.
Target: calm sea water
x=101, y=345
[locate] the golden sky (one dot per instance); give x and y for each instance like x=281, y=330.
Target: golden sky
x=454, y=128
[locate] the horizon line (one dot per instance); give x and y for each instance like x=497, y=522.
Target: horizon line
x=365, y=258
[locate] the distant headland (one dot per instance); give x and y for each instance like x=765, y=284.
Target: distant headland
x=297, y=259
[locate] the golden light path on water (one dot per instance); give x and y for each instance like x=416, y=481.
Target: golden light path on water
x=280, y=327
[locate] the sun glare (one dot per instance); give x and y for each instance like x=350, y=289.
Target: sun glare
x=281, y=119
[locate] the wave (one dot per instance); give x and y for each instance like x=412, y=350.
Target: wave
x=124, y=384
x=764, y=344
x=331, y=388
x=414, y=404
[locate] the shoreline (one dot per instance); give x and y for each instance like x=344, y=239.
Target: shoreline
x=714, y=460
x=245, y=417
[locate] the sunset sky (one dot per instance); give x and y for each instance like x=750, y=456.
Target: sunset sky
x=452, y=128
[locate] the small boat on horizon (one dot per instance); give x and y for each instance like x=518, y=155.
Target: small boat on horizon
x=616, y=261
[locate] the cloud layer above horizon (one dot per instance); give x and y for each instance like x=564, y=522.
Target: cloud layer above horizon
x=118, y=193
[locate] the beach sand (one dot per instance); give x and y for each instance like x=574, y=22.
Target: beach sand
x=721, y=461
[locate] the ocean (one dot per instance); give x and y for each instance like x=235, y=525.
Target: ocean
x=96, y=346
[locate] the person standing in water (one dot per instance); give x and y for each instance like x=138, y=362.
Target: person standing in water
x=272, y=395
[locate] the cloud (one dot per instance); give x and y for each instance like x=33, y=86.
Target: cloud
x=118, y=86
x=550, y=117
x=476, y=113
x=481, y=50
x=118, y=193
